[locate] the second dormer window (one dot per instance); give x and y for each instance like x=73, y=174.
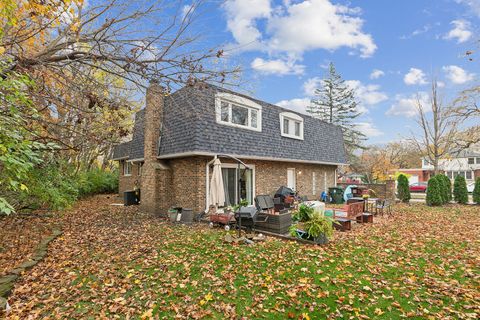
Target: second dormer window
x=238, y=112
x=291, y=125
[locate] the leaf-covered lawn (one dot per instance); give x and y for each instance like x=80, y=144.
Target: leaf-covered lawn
x=113, y=262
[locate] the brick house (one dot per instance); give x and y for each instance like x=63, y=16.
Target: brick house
x=177, y=136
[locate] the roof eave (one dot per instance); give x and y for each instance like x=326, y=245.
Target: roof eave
x=249, y=157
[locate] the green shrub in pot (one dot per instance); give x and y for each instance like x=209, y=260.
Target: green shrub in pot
x=318, y=225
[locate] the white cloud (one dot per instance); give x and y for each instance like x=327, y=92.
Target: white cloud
x=368, y=95
x=293, y=28
x=187, y=10
x=299, y=105
x=241, y=20
x=319, y=24
x=376, y=73
x=277, y=66
x=311, y=84
x=474, y=5
x=457, y=75
x=460, y=32
x=415, y=76
x=368, y=129
x=407, y=105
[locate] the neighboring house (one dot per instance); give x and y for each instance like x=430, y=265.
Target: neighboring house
x=177, y=136
x=351, y=178
x=465, y=163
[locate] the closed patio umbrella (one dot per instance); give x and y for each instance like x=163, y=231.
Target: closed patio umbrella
x=217, y=193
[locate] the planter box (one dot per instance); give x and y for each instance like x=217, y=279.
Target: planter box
x=275, y=223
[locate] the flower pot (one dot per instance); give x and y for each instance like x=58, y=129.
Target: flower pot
x=321, y=239
x=187, y=216
x=172, y=214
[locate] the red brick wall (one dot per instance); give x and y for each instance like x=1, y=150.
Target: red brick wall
x=128, y=182
x=188, y=182
x=186, y=185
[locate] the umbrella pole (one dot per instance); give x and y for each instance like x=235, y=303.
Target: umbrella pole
x=238, y=196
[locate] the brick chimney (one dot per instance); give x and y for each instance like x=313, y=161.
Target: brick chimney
x=154, y=173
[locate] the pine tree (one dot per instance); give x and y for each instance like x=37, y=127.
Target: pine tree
x=460, y=192
x=434, y=194
x=335, y=103
x=403, y=188
x=476, y=191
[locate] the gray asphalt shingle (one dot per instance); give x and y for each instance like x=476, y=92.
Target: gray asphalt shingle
x=190, y=126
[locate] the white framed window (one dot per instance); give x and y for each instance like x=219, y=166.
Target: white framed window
x=471, y=160
x=291, y=125
x=468, y=175
x=238, y=112
x=478, y=160
x=127, y=168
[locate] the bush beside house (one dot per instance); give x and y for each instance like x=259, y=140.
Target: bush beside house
x=434, y=192
x=476, y=191
x=460, y=192
x=446, y=187
x=403, y=189
x=54, y=185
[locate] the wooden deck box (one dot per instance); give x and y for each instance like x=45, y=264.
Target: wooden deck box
x=277, y=223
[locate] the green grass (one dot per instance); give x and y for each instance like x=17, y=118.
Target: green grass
x=421, y=264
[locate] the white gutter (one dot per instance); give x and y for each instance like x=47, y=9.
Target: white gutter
x=201, y=153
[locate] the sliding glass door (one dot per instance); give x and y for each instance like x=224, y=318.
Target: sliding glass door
x=231, y=186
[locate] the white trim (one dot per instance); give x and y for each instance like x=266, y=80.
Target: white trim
x=211, y=154
x=314, y=182
x=242, y=102
x=294, y=118
x=136, y=160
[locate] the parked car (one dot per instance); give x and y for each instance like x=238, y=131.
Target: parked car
x=418, y=187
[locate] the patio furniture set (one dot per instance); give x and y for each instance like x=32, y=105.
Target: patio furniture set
x=274, y=215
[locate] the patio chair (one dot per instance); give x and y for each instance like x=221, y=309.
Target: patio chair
x=383, y=206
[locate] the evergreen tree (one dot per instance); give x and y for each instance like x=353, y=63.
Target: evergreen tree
x=403, y=189
x=460, y=192
x=476, y=191
x=446, y=188
x=335, y=103
x=434, y=194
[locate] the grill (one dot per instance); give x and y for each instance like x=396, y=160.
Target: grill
x=247, y=217
x=286, y=195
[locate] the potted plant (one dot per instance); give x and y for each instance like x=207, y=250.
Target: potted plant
x=319, y=228
x=312, y=225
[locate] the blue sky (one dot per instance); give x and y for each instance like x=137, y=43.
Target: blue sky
x=387, y=50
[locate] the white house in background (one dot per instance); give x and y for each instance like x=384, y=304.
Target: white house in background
x=466, y=163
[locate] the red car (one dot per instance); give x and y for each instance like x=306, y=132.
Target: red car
x=418, y=187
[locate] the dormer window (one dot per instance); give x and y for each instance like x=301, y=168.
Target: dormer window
x=238, y=112
x=291, y=125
